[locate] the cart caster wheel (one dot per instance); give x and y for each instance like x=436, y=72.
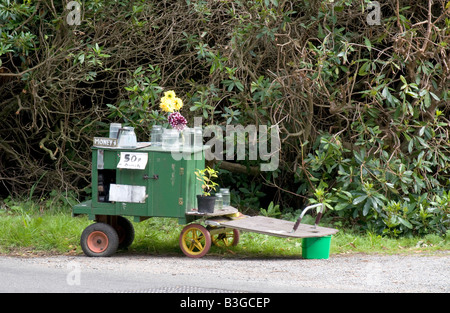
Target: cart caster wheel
x=226, y=239
x=195, y=241
x=99, y=240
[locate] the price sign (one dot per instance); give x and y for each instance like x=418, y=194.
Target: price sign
x=133, y=160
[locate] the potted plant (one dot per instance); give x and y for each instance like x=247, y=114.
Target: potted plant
x=205, y=201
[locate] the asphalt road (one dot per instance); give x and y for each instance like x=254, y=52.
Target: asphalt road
x=124, y=273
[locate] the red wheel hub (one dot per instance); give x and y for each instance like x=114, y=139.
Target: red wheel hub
x=97, y=241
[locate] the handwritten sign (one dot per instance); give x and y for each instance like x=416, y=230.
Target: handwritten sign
x=105, y=142
x=133, y=160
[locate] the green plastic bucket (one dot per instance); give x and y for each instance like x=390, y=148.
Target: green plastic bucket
x=316, y=247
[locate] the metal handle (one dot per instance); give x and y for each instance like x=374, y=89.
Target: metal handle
x=119, y=132
x=155, y=177
x=319, y=215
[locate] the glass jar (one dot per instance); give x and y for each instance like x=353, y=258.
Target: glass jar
x=127, y=138
x=114, y=130
x=219, y=201
x=188, y=137
x=170, y=139
x=198, y=136
x=225, y=196
x=156, y=135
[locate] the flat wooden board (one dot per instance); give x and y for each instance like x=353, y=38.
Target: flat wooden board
x=227, y=210
x=278, y=228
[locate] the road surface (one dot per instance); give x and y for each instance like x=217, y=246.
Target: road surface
x=129, y=273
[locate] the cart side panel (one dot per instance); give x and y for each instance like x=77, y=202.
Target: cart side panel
x=167, y=199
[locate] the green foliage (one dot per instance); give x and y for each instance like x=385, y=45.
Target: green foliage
x=249, y=195
x=207, y=176
x=362, y=109
x=201, y=99
x=271, y=211
x=14, y=39
x=140, y=107
x=380, y=191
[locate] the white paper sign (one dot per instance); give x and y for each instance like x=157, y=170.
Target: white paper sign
x=127, y=193
x=133, y=160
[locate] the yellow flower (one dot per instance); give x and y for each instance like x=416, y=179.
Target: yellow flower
x=170, y=102
x=170, y=95
x=177, y=104
x=166, y=105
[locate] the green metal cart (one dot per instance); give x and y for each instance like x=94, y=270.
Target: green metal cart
x=152, y=182
x=143, y=182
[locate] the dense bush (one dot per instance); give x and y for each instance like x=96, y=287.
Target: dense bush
x=362, y=109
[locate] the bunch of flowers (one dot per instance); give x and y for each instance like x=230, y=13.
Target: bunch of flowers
x=177, y=121
x=170, y=103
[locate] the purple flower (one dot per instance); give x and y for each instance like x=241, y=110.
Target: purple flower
x=177, y=121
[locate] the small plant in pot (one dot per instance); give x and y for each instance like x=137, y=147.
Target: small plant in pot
x=205, y=201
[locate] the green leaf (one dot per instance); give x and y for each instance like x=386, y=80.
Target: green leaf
x=81, y=58
x=359, y=199
x=421, y=131
x=244, y=190
x=403, y=79
x=422, y=142
x=364, y=69
x=367, y=207
x=341, y=206
x=368, y=43
x=405, y=222
x=434, y=96
x=385, y=93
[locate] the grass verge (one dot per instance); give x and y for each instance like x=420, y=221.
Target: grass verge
x=25, y=233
